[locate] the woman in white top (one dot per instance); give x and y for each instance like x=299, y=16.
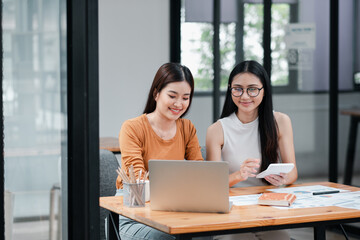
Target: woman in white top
x=249, y=136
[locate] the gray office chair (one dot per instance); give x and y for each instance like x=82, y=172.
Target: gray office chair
x=203, y=152
x=108, y=165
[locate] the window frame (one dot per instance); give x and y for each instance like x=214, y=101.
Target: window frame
x=175, y=42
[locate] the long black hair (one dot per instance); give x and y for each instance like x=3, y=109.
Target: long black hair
x=267, y=124
x=168, y=73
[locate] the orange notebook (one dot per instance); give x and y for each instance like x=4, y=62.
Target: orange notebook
x=277, y=199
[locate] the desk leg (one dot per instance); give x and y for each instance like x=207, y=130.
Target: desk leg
x=319, y=233
x=350, y=155
x=113, y=226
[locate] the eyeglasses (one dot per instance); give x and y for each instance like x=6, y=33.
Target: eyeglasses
x=251, y=91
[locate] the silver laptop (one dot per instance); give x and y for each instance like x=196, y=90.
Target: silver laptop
x=189, y=186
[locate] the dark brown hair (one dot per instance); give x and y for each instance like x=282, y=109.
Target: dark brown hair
x=168, y=73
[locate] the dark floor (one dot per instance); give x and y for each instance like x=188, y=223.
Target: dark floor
x=307, y=233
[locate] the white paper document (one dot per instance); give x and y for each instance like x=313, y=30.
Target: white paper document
x=245, y=199
x=276, y=168
x=306, y=190
x=306, y=199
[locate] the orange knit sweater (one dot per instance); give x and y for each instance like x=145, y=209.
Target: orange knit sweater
x=139, y=143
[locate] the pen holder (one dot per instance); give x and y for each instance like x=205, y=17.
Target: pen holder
x=134, y=194
x=147, y=190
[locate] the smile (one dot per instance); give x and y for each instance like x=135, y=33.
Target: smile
x=246, y=103
x=176, y=110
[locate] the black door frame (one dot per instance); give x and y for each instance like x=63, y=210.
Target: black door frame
x=2, y=188
x=83, y=119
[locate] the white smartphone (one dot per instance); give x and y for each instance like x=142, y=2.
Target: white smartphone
x=276, y=168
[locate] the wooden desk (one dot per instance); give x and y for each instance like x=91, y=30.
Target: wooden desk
x=241, y=218
x=350, y=154
x=110, y=143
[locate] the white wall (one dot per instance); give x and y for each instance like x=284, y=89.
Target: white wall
x=133, y=43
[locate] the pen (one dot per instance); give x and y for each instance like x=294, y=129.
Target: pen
x=325, y=192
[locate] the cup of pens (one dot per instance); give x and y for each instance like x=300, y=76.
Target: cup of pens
x=134, y=188
x=134, y=194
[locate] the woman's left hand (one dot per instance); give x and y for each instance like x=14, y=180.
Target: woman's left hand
x=277, y=180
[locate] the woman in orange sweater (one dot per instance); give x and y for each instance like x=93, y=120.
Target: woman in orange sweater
x=159, y=133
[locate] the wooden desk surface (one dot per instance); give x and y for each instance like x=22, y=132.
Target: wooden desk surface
x=239, y=217
x=351, y=112
x=110, y=143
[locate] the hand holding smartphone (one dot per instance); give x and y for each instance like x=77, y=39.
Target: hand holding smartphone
x=276, y=168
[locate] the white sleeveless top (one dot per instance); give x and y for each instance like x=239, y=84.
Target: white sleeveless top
x=241, y=141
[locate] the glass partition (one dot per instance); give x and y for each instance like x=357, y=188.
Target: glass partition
x=197, y=43
x=300, y=52
x=33, y=118
x=300, y=76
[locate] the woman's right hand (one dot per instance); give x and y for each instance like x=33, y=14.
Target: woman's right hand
x=248, y=169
